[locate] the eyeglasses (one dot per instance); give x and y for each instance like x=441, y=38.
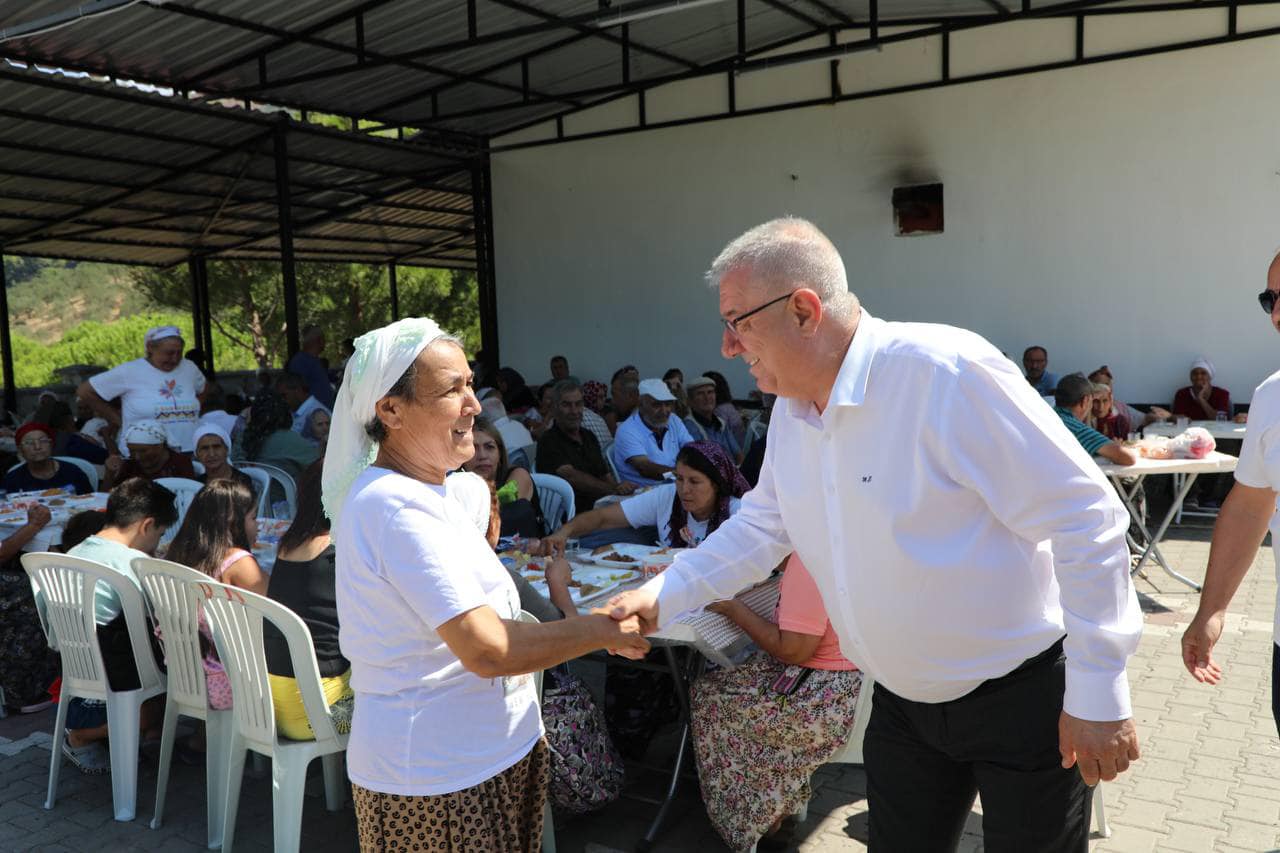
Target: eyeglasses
x=732, y=324
x=36, y=442
x=1267, y=299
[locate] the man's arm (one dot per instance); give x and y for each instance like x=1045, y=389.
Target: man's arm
x=1115, y=452
x=592, y=487
x=646, y=467
x=1239, y=530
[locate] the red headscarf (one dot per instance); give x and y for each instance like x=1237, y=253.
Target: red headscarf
x=33, y=427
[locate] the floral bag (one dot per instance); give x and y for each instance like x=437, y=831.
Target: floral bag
x=586, y=769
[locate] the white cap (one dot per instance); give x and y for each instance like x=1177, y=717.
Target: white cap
x=159, y=333
x=657, y=389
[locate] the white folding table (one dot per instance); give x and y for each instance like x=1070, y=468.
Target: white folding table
x=1189, y=469
x=1220, y=430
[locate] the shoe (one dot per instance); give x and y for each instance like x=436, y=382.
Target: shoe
x=1191, y=503
x=1211, y=504
x=92, y=759
x=36, y=707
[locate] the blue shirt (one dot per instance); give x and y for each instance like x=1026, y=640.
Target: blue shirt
x=1047, y=384
x=720, y=434
x=312, y=371
x=1090, y=439
x=634, y=438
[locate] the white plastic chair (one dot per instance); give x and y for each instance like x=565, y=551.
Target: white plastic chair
x=607, y=450
x=67, y=587
x=90, y=470
x=184, y=492
x=282, y=478
x=236, y=616
x=548, y=826
x=755, y=431
x=556, y=497
x=261, y=484
x=175, y=605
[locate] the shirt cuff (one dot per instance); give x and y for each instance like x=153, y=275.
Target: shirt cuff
x=1097, y=696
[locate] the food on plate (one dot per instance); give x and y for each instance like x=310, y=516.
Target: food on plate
x=49, y=493
x=615, y=557
x=57, y=502
x=603, y=549
x=589, y=589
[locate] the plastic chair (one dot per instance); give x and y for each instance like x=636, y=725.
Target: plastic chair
x=175, y=605
x=607, y=450
x=184, y=492
x=90, y=470
x=556, y=497
x=548, y=825
x=67, y=587
x=262, y=484
x=236, y=616
x=755, y=431
x=280, y=477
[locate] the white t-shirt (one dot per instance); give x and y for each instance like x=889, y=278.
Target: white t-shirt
x=409, y=560
x=148, y=393
x=1259, y=464
x=654, y=508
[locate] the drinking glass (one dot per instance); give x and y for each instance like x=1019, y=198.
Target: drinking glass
x=1222, y=417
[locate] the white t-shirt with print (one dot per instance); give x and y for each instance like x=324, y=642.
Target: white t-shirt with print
x=148, y=393
x=1259, y=464
x=654, y=508
x=409, y=560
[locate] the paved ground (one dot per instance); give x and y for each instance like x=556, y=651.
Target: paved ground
x=1209, y=778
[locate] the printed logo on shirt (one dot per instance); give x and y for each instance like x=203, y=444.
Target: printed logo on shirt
x=180, y=408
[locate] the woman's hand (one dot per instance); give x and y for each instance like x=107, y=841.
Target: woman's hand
x=559, y=573
x=113, y=464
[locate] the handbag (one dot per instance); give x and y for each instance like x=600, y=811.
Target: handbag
x=586, y=769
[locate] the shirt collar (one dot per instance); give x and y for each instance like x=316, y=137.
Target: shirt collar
x=850, y=388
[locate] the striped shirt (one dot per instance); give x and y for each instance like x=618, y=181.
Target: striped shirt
x=1090, y=439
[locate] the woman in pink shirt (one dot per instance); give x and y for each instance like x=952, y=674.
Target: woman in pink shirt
x=761, y=729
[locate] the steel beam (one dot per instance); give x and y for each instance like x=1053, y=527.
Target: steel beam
x=284, y=206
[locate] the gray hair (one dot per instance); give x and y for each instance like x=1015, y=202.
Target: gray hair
x=311, y=332
x=406, y=387
x=564, y=386
x=784, y=254
x=1101, y=388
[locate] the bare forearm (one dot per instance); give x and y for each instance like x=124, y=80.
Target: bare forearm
x=1236, y=536
x=762, y=632
x=583, y=482
x=530, y=648
x=647, y=468
x=561, y=598
x=100, y=407
x=14, y=544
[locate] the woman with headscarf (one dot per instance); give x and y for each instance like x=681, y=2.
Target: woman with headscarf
x=269, y=437
x=762, y=728
x=1202, y=400
x=40, y=470
x=213, y=451
x=150, y=456
x=162, y=387
x=446, y=743
x=705, y=493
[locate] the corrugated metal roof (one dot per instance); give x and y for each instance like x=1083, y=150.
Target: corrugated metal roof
x=94, y=170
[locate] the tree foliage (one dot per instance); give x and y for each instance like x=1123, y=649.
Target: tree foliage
x=346, y=300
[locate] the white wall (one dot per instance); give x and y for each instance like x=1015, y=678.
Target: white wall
x=1122, y=213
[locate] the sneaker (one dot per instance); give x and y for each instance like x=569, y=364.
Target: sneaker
x=92, y=759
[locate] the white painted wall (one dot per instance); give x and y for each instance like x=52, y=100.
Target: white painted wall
x=1122, y=213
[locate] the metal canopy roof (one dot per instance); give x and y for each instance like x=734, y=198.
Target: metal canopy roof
x=474, y=68
x=97, y=171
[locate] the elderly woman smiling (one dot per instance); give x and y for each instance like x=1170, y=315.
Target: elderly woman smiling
x=446, y=746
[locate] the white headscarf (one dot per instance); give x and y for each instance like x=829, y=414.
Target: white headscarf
x=211, y=428
x=145, y=432
x=159, y=333
x=1206, y=364
x=381, y=357
x=472, y=494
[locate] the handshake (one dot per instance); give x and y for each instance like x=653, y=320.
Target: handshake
x=630, y=616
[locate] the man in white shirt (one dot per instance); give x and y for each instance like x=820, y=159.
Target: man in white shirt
x=646, y=444
x=1248, y=511
x=956, y=531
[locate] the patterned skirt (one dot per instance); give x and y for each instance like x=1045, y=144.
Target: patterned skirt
x=27, y=665
x=503, y=813
x=756, y=749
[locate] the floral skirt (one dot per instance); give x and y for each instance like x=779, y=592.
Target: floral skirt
x=756, y=749
x=27, y=665
x=503, y=813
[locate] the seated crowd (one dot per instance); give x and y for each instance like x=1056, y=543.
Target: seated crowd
x=645, y=459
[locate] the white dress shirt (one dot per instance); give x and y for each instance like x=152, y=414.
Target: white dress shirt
x=1259, y=464
x=952, y=523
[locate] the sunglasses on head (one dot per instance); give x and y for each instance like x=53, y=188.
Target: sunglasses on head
x=1267, y=299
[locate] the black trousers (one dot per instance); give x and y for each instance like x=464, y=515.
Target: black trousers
x=925, y=762
x=1275, y=685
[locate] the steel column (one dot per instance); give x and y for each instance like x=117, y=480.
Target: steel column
x=206, y=314
x=197, y=312
x=285, y=213
x=486, y=284
x=395, y=291
x=6, y=346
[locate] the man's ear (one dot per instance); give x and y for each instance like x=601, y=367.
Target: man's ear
x=806, y=308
